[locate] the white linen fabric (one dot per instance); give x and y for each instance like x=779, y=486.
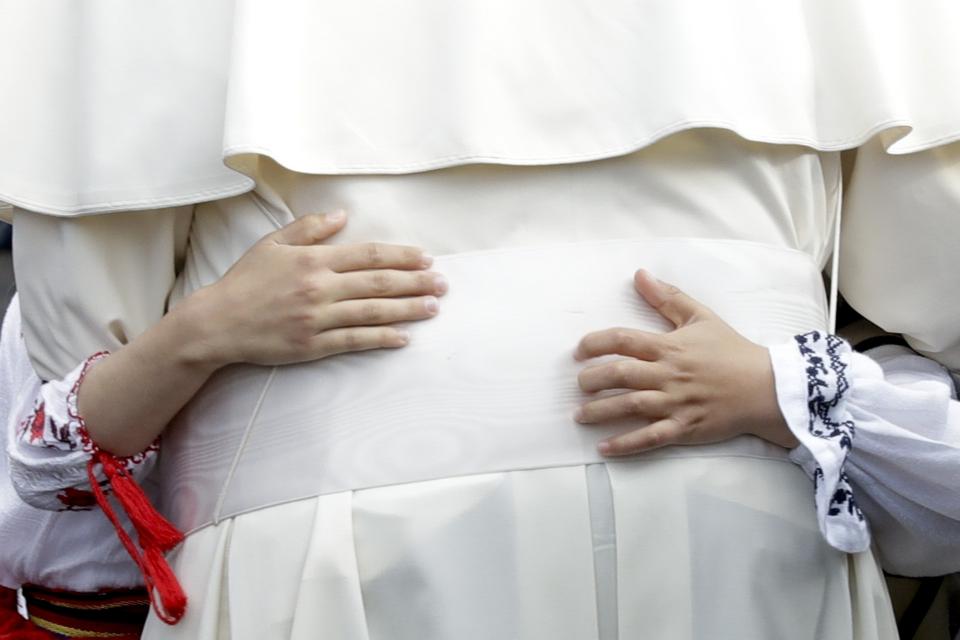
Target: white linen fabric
x=637, y=121
x=76, y=550
x=134, y=106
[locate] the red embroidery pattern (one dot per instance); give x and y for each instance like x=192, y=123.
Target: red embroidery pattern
x=77, y=499
x=155, y=534
x=37, y=422
x=128, y=462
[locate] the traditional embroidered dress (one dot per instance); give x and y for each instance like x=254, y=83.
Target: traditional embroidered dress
x=91, y=587
x=543, y=151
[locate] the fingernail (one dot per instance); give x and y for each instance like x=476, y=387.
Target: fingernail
x=440, y=284
x=336, y=216
x=604, y=447
x=430, y=304
x=403, y=336
x=578, y=415
x=426, y=261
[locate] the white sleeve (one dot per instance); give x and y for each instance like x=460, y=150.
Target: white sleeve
x=900, y=246
x=880, y=437
x=50, y=453
x=85, y=285
x=93, y=283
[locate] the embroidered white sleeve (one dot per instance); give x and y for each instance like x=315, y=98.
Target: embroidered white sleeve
x=880, y=437
x=49, y=448
x=905, y=467
x=813, y=391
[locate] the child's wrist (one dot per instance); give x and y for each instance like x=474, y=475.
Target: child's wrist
x=769, y=422
x=200, y=344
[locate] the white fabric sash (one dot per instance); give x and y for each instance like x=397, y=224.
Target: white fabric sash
x=488, y=385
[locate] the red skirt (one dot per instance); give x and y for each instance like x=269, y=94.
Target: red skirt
x=64, y=614
x=12, y=625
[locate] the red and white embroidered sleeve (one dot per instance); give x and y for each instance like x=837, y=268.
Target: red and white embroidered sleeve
x=55, y=465
x=49, y=446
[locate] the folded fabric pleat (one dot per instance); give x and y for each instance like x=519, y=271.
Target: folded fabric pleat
x=704, y=548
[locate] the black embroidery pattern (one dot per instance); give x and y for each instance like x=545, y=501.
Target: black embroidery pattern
x=842, y=500
x=827, y=386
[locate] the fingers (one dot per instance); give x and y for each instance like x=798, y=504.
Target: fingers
x=310, y=230
x=653, y=436
x=622, y=374
x=643, y=404
x=336, y=341
x=672, y=303
x=357, y=313
x=620, y=341
x=388, y=283
x=314, y=229
x=376, y=255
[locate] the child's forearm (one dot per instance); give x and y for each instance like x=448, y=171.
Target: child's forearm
x=127, y=399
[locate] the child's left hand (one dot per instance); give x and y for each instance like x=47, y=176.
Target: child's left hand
x=702, y=382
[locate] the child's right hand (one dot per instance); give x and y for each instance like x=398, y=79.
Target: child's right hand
x=291, y=298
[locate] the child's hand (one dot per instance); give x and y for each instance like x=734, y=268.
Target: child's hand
x=700, y=383
x=291, y=298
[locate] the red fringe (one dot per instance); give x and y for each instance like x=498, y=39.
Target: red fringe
x=155, y=534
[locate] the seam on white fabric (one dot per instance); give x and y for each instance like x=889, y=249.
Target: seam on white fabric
x=243, y=445
x=601, y=506
x=258, y=202
x=301, y=165
x=138, y=204
x=317, y=528
x=356, y=565
x=835, y=259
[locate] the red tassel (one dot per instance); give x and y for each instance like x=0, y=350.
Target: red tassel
x=154, y=532
x=165, y=582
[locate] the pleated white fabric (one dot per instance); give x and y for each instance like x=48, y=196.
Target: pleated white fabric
x=701, y=549
x=129, y=105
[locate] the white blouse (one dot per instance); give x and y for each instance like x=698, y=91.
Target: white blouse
x=70, y=546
